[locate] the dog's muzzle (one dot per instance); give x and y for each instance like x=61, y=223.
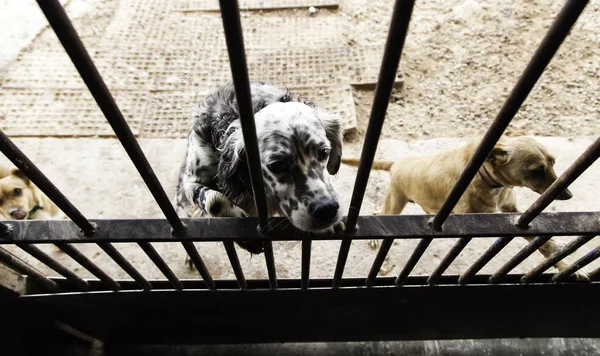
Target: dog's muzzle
x=325, y=211
x=565, y=195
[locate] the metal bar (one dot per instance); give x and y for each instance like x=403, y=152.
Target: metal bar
x=20, y=160
x=582, y=163
x=550, y=44
x=412, y=260
x=593, y=274
x=448, y=259
x=232, y=25
x=385, y=84
x=386, y=244
x=557, y=256
x=87, y=264
x=577, y=265
x=124, y=264
x=306, y=251
x=55, y=265
x=21, y=267
x=66, y=33
x=235, y=264
x=197, y=261
x=525, y=252
x=490, y=253
x=235, y=229
x=160, y=264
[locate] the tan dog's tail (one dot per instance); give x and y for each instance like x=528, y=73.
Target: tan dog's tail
x=377, y=165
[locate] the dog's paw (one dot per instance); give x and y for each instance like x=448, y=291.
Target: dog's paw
x=580, y=276
x=217, y=205
x=373, y=243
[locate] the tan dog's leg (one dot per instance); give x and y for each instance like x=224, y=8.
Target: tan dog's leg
x=395, y=201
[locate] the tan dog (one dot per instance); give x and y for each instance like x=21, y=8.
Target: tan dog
x=428, y=180
x=21, y=199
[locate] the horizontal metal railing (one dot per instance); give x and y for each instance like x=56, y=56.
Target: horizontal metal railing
x=444, y=225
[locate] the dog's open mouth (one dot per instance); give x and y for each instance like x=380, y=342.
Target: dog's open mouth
x=17, y=214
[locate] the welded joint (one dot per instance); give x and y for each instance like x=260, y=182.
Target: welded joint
x=432, y=226
x=517, y=222
x=91, y=232
x=181, y=232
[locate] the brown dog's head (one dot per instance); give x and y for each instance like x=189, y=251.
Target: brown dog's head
x=17, y=196
x=524, y=162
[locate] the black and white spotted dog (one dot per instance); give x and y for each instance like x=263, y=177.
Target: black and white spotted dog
x=296, y=141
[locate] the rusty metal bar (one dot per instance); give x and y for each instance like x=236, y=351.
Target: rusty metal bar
x=55, y=265
x=448, y=259
x=490, y=253
x=386, y=244
x=66, y=33
x=124, y=264
x=412, y=260
x=385, y=84
x=161, y=264
x=232, y=25
x=76, y=255
x=235, y=264
x=577, y=265
x=198, y=263
x=573, y=172
x=568, y=249
x=550, y=44
x=525, y=252
x=306, y=251
x=21, y=267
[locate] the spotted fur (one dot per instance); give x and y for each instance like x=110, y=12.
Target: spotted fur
x=297, y=142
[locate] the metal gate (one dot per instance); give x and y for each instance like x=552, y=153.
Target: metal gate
x=208, y=310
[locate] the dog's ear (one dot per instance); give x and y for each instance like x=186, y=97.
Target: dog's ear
x=334, y=129
x=498, y=156
x=17, y=173
x=233, y=177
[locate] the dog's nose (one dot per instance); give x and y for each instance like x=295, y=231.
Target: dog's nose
x=565, y=195
x=326, y=210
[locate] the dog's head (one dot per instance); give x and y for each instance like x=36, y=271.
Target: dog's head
x=17, y=196
x=297, y=143
x=524, y=162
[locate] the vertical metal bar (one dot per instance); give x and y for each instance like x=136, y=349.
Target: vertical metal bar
x=87, y=264
x=568, y=249
x=124, y=264
x=531, y=247
x=412, y=260
x=577, y=265
x=161, y=265
x=21, y=267
x=232, y=25
x=306, y=251
x=379, y=259
x=18, y=158
x=385, y=83
x=550, y=44
x=448, y=259
x=235, y=264
x=66, y=33
x=197, y=261
x=582, y=163
x=496, y=247
x=55, y=265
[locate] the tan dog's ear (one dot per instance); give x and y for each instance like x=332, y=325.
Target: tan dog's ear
x=498, y=156
x=17, y=173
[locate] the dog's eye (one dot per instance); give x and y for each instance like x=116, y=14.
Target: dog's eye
x=538, y=172
x=17, y=192
x=323, y=154
x=277, y=167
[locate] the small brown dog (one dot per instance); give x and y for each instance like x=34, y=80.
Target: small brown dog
x=21, y=199
x=428, y=180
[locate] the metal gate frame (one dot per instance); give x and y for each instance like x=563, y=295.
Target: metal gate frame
x=438, y=306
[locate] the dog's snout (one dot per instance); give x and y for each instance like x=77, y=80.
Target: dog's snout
x=325, y=210
x=565, y=195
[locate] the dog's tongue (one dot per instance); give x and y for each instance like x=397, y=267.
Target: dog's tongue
x=18, y=214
